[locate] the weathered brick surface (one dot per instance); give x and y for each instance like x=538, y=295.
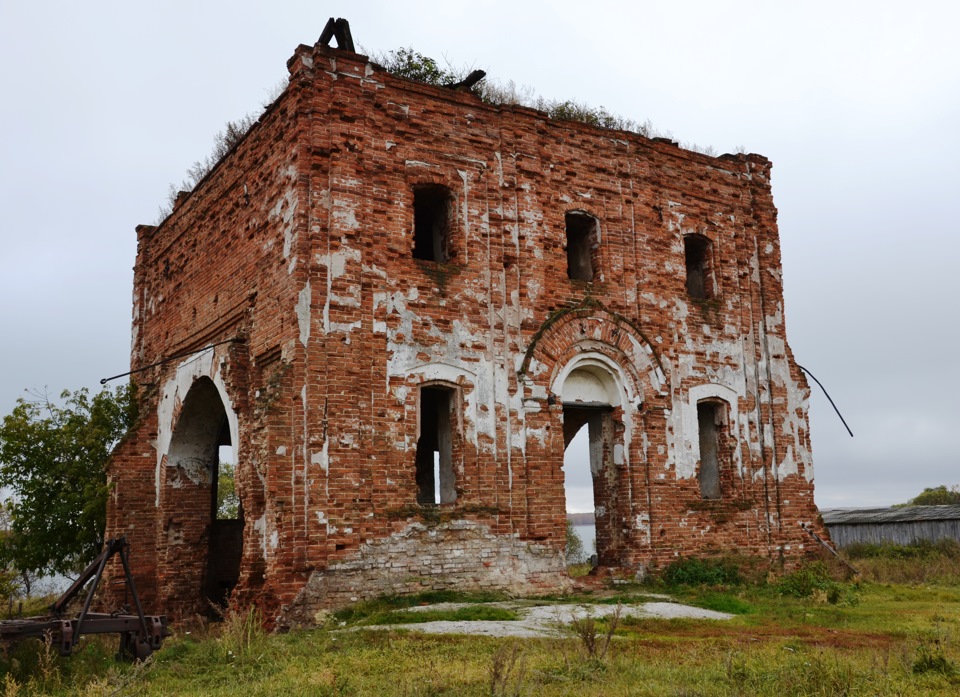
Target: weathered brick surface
x=299, y=246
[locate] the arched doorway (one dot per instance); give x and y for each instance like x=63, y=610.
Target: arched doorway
x=204, y=530
x=591, y=396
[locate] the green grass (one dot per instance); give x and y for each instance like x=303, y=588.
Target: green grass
x=897, y=640
x=471, y=613
x=362, y=611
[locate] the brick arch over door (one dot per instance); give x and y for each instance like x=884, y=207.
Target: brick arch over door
x=595, y=329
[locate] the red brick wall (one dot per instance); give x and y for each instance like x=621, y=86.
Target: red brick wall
x=300, y=244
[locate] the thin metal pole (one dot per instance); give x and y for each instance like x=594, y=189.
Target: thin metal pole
x=828, y=398
x=111, y=548
x=104, y=381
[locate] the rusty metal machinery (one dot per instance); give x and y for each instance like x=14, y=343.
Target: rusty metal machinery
x=140, y=634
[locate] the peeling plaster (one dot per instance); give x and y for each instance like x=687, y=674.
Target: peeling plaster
x=174, y=393
x=302, y=310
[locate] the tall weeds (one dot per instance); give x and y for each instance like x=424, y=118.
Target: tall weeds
x=508, y=668
x=920, y=562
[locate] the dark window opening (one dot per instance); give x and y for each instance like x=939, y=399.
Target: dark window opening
x=710, y=420
x=226, y=524
x=696, y=249
x=435, y=477
x=432, y=215
x=582, y=244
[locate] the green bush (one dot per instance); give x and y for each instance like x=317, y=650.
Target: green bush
x=694, y=571
x=804, y=581
x=815, y=580
x=932, y=660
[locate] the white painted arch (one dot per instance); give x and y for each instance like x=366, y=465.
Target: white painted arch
x=592, y=377
x=174, y=394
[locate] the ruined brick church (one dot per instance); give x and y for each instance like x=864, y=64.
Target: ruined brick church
x=397, y=304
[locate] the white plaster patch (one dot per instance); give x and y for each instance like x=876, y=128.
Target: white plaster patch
x=174, y=392
x=344, y=214
x=322, y=457
x=303, y=313
x=260, y=526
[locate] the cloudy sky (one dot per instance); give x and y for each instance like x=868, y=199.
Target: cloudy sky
x=104, y=104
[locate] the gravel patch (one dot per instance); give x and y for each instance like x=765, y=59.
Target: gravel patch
x=547, y=620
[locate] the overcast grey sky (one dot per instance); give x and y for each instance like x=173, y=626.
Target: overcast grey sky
x=104, y=104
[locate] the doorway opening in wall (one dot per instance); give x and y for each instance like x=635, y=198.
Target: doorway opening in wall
x=205, y=524
x=711, y=417
x=226, y=525
x=585, y=435
x=436, y=482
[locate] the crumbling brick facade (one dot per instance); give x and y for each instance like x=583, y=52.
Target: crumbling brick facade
x=398, y=304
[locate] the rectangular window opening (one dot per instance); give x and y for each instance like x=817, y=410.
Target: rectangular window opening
x=435, y=478
x=581, y=243
x=225, y=500
x=709, y=421
x=696, y=250
x=432, y=213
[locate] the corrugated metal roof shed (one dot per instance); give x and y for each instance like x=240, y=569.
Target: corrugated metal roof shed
x=905, y=514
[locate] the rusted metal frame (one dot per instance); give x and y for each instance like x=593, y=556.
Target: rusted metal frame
x=109, y=552
x=139, y=633
x=61, y=604
x=65, y=634
x=124, y=554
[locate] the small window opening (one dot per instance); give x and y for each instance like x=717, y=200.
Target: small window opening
x=432, y=214
x=435, y=478
x=582, y=243
x=696, y=250
x=227, y=501
x=710, y=420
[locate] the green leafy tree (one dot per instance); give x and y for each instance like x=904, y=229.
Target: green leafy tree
x=53, y=460
x=412, y=65
x=575, y=551
x=228, y=503
x=937, y=496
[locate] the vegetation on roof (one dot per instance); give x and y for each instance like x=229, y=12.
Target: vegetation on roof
x=412, y=65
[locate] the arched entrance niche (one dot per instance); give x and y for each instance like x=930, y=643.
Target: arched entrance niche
x=592, y=393
x=587, y=357
x=204, y=534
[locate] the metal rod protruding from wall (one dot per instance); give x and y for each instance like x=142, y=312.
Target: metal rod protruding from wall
x=104, y=381
x=842, y=420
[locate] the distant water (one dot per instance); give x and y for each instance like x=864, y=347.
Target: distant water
x=588, y=535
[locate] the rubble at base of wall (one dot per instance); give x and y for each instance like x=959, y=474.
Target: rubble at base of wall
x=462, y=555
